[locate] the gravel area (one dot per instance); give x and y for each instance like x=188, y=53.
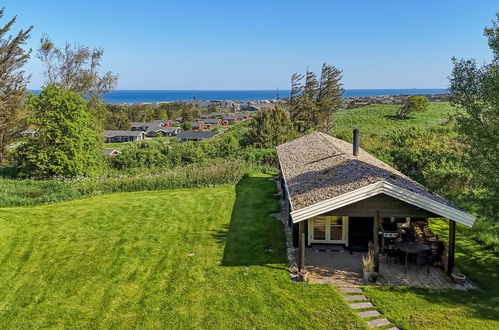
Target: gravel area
x=291, y=251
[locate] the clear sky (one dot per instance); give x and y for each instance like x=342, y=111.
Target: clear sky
x=259, y=44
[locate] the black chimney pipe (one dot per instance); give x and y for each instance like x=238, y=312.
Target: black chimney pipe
x=356, y=141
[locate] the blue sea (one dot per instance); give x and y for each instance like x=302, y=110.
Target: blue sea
x=145, y=96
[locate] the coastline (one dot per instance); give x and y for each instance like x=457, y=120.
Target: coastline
x=348, y=102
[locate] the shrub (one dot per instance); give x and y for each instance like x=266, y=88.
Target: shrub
x=141, y=155
x=414, y=103
x=32, y=192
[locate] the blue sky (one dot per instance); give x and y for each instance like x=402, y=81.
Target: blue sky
x=259, y=44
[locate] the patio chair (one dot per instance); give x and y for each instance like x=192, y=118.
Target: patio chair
x=392, y=252
x=423, y=259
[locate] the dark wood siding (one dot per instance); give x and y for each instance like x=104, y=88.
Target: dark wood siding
x=386, y=206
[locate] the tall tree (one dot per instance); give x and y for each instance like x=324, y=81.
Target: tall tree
x=66, y=143
x=475, y=92
x=75, y=68
x=13, y=81
x=312, y=104
x=271, y=127
x=329, y=96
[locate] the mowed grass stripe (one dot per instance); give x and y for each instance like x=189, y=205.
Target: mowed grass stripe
x=122, y=260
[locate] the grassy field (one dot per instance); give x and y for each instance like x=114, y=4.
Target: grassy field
x=188, y=258
x=378, y=119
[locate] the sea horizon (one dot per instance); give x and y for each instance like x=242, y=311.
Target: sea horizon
x=154, y=96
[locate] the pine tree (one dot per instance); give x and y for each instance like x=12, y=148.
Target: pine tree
x=12, y=84
x=329, y=96
x=312, y=104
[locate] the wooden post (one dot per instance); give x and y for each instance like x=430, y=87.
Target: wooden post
x=301, y=248
x=452, y=246
x=376, y=242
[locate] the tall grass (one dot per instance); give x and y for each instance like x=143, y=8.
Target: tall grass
x=33, y=192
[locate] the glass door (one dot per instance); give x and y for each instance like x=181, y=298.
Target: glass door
x=336, y=229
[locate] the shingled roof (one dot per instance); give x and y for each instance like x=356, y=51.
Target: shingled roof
x=319, y=168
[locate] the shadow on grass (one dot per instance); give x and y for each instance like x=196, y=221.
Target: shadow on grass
x=480, y=304
x=253, y=237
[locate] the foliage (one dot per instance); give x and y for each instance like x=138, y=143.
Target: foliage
x=66, y=143
x=75, y=68
x=146, y=113
x=156, y=154
x=33, y=192
x=368, y=263
x=414, y=103
x=475, y=92
x=433, y=157
x=12, y=84
x=117, y=121
x=313, y=104
x=271, y=127
x=261, y=156
x=426, y=147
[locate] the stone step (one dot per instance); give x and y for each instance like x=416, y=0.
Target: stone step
x=361, y=305
x=367, y=314
x=354, y=297
x=378, y=322
x=350, y=290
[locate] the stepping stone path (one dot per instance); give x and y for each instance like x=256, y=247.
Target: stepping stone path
x=374, y=317
x=367, y=314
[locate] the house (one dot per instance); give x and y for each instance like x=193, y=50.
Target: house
x=243, y=116
x=178, y=120
x=124, y=136
x=231, y=118
x=156, y=127
x=217, y=114
x=163, y=130
x=213, y=122
x=339, y=194
x=196, y=135
x=111, y=152
x=197, y=125
x=204, y=116
x=140, y=126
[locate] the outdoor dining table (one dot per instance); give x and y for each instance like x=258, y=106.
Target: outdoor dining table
x=411, y=248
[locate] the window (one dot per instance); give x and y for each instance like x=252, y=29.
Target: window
x=320, y=228
x=336, y=228
x=328, y=229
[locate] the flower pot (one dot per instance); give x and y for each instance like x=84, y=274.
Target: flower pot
x=458, y=278
x=365, y=275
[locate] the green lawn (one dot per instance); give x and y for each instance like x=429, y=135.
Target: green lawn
x=378, y=119
x=187, y=258
x=413, y=308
